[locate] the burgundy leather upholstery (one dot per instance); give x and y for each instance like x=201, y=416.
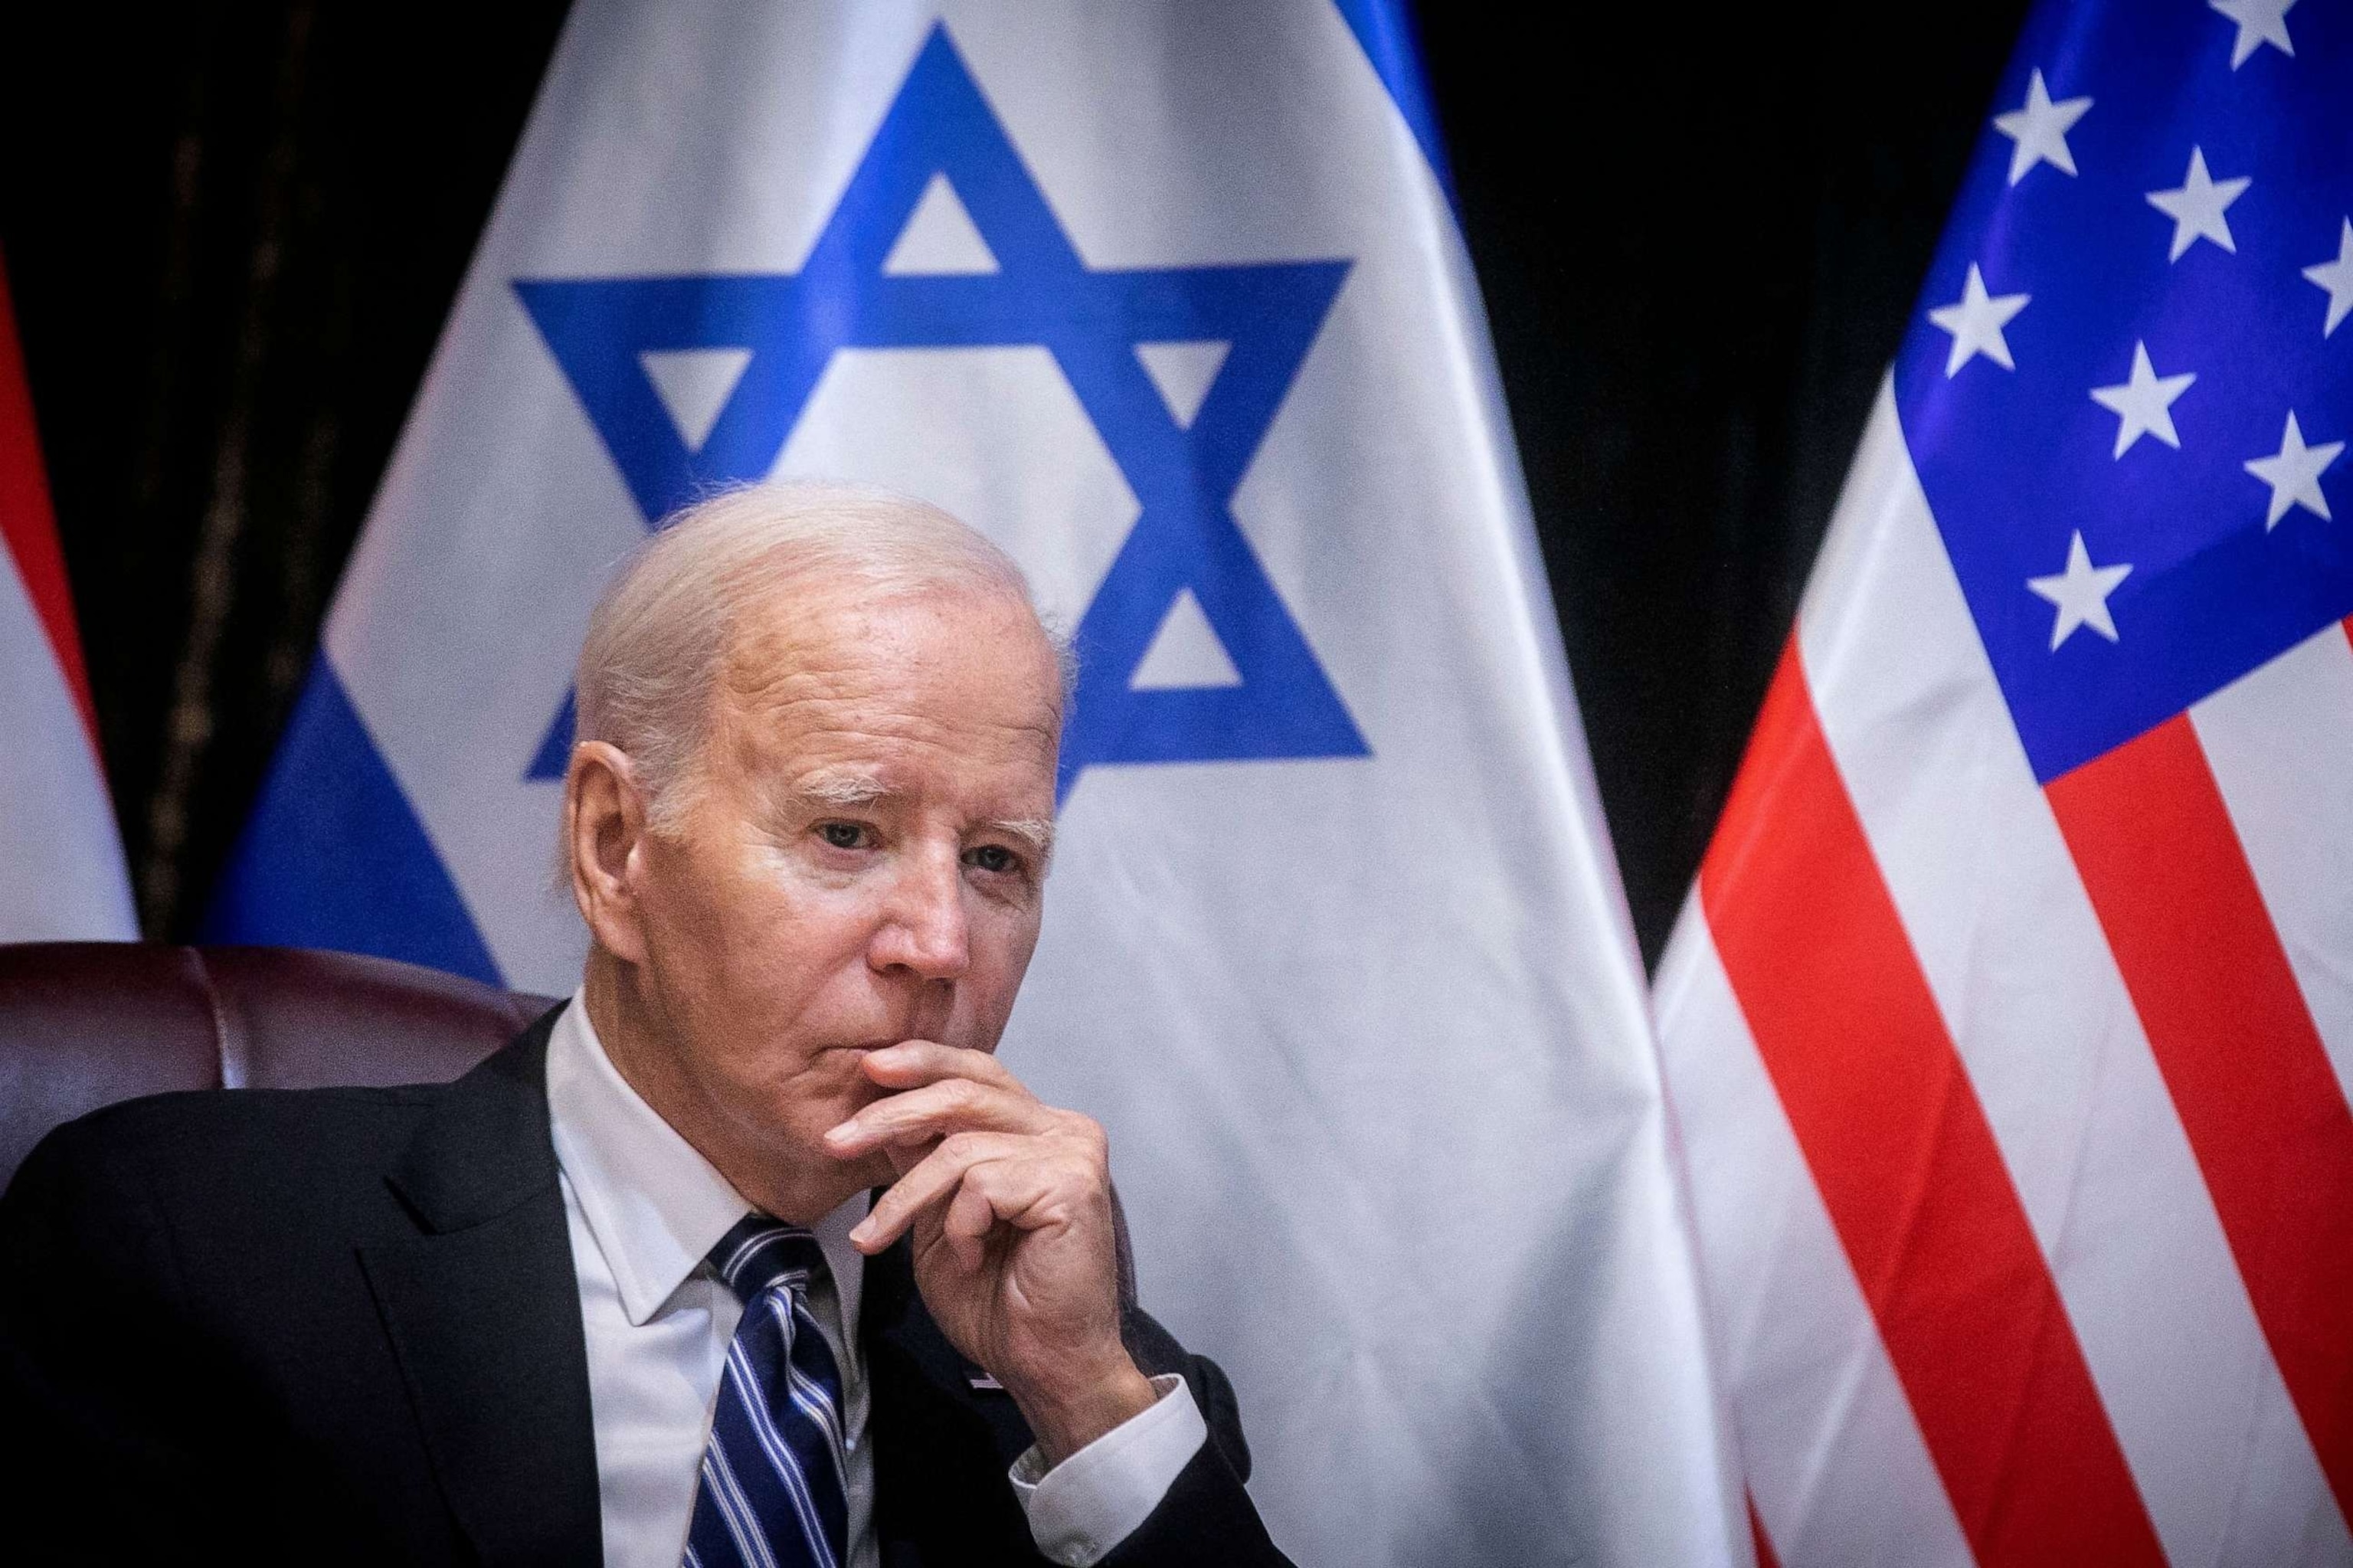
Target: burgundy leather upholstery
x=83, y=1024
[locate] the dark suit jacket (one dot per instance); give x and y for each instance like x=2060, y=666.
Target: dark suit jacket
x=342, y=1325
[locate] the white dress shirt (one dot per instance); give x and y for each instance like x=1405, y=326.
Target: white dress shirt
x=644, y=1209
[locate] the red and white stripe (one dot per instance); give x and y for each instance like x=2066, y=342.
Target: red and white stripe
x=61, y=871
x=2016, y=1117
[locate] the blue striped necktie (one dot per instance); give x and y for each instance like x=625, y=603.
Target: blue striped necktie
x=772, y=1493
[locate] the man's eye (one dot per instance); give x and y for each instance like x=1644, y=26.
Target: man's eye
x=993, y=857
x=843, y=835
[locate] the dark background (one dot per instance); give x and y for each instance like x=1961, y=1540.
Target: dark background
x=232, y=234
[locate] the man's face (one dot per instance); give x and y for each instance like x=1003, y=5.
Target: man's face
x=860, y=861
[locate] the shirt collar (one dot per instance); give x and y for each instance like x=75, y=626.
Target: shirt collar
x=654, y=1205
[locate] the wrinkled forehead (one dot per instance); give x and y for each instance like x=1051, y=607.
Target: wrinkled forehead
x=841, y=680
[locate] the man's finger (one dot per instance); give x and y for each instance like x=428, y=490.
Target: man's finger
x=936, y=1110
x=937, y=1175
x=912, y=1062
x=994, y=1192
x=971, y=1215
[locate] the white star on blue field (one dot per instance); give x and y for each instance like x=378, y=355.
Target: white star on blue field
x=2126, y=396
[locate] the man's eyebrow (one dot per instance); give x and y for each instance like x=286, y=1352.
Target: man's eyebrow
x=1038, y=832
x=841, y=786
x=852, y=786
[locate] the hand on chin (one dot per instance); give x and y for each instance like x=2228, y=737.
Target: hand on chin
x=1008, y=1201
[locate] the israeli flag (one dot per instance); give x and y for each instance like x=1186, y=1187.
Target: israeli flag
x=1171, y=302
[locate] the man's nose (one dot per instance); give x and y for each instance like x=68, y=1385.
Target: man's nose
x=925, y=930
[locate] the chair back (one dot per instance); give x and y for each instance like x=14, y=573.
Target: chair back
x=83, y=1024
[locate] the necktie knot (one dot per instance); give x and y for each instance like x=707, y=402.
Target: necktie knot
x=760, y=1253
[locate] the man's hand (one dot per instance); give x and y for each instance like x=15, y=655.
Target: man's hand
x=1010, y=1203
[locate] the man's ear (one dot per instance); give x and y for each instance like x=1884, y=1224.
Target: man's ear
x=605, y=831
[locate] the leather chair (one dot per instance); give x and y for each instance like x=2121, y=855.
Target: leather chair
x=83, y=1024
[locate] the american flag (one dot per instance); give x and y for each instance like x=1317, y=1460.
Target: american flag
x=2009, y=1032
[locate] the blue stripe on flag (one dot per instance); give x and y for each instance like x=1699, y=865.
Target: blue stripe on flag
x=334, y=855
x=1386, y=32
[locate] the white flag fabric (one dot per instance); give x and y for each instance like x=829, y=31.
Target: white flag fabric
x=1171, y=302
x=61, y=871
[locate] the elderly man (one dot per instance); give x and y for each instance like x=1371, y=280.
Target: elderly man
x=619, y=1291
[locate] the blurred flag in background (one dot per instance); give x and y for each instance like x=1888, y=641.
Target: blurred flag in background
x=61, y=873
x=2010, y=1028
x=1171, y=302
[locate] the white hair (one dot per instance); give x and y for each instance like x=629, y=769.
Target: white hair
x=659, y=637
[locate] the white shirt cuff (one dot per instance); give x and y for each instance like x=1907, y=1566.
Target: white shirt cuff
x=1088, y=1504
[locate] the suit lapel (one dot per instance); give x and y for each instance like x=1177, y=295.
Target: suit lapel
x=482, y=1309
x=941, y=1445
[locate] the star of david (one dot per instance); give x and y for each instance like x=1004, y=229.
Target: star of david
x=1090, y=320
